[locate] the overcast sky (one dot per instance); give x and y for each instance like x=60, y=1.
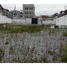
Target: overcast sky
x=40, y=9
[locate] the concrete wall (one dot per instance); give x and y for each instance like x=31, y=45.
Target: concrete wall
x=4, y=19
x=61, y=21
x=22, y=21
x=47, y=21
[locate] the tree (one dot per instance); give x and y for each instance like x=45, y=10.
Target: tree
x=56, y=14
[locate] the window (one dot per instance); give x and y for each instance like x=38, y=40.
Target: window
x=26, y=12
x=26, y=8
x=20, y=12
x=20, y=16
x=31, y=8
x=30, y=12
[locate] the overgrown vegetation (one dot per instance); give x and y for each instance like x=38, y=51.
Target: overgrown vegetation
x=21, y=28
x=52, y=52
x=43, y=59
x=1, y=54
x=64, y=52
x=64, y=33
x=11, y=49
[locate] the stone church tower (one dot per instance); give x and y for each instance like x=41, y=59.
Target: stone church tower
x=28, y=11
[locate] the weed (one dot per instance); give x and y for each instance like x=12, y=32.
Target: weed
x=41, y=50
x=54, y=57
x=11, y=49
x=64, y=58
x=63, y=38
x=33, y=48
x=43, y=59
x=1, y=54
x=52, y=31
x=52, y=52
x=9, y=40
x=64, y=33
x=35, y=52
x=39, y=40
x=18, y=29
x=4, y=61
x=31, y=61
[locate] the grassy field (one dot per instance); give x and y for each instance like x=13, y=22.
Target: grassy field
x=32, y=44
x=20, y=28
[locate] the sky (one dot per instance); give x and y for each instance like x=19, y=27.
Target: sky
x=40, y=9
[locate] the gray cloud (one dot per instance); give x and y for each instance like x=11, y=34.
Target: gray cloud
x=40, y=9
